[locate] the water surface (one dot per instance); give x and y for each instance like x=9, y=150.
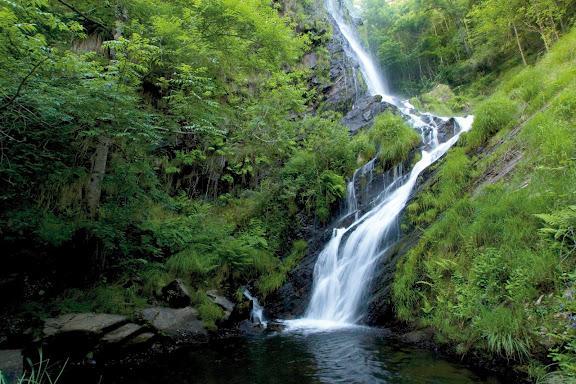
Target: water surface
x=355, y=355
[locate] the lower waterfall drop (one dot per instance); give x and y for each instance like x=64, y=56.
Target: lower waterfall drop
x=345, y=267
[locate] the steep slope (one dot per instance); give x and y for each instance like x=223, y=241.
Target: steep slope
x=492, y=271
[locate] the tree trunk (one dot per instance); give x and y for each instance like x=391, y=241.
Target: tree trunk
x=543, y=36
x=519, y=44
x=97, y=173
x=100, y=158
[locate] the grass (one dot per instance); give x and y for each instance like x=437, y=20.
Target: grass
x=494, y=260
x=390, y=137
x=39, y=373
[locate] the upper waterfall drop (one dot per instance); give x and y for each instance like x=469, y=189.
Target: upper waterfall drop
x=374, y=79
x=346, y=266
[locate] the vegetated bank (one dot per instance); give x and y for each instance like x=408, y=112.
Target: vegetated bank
x=493, y=270
x=148, y=141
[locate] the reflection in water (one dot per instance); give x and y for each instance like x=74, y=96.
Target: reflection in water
x=354, y=355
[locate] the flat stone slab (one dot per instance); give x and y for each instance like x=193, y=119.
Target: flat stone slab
x=11, y=364
x=121, y=334
x=88, y=323
x=179, y=324
x=140, y=339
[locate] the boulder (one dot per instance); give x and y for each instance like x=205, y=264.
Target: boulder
x=222, y=302
x=181, y=325
x=310, y=60
x=420, y=336
x=446, y=130
x=92, y=324
x=11, y=365
x=176, y=294
x=121, y=334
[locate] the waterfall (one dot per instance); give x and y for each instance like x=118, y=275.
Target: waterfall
x=257, y=313
x=374, y=79
x=345, y=267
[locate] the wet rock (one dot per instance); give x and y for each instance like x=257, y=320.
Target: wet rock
x=364, y=112
x=446, y=130
x=121, y=334
x=82, y=323
x=141, y=339
x=222, y=302
x=345, y=86
x=11, y=364
x=419, y=336
x=176, y=294
x=181, y=325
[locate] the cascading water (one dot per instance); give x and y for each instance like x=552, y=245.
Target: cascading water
x=257, y=313
x=344, y=268
x=374, y=79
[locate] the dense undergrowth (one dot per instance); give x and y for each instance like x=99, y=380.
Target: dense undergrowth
x=150, y=140
x=494, y=270
x=147, y=140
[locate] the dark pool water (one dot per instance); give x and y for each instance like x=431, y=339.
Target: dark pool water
x=346, y=356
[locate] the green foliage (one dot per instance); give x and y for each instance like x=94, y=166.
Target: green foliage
x=41, y=372
x=393, y=138
x=493, y=115
x=561, y=227
x=199, y=102
x=492, y=271
x=426, y=42
x=210, y=313
x=275, y=279
x=447, y=187
x=102, y=298
x=504, y=332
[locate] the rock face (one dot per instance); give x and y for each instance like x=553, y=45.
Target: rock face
x=181, y=325
x=176, y=294
x=345, y=85
x=364, y=112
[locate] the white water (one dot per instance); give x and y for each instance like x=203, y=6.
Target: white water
x=344, y=268
x=257, y=313
x=374, y=79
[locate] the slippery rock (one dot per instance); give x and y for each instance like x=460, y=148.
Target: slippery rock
x=364, y=113
x=91, y=324
x=222, y=302
x=419, y=336
x=181, y=325
x=140, y=339
x=121, y=334
x=176, y=294
x=446, y=130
